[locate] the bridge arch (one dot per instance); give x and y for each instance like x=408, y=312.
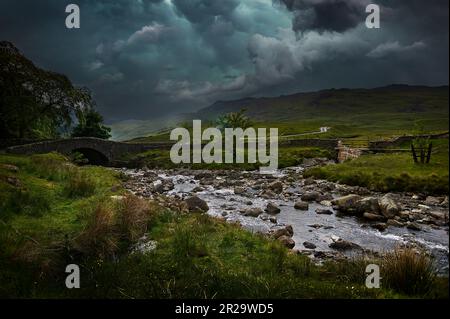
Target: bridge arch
x=93, y=156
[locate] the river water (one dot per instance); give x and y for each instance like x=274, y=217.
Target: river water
x=308, y=226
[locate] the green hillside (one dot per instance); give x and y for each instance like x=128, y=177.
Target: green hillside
x=369, y=114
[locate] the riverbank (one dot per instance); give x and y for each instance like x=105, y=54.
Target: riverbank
x=156, y=247
x=306, y=214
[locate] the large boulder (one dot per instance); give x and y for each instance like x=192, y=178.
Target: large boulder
x=433, y=201
x=341, y=244
x=388, y=206
x=367, y=204
x=238, y=190
x=195, y=203
x=309, y=245
x=323, y=211
x=287, y=241
x=285, y=231
x=374, y=217
x=276, y=187
x=300, y=205
x=310, y=196
x=253, y=212
x=346, y=203
x=272, y=209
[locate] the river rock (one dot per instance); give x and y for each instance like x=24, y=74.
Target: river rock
x=433, y=201
x=198, y=189
x=379, y=226
x=373, y=217
x=14, y=181
x=9, y=167
x=239, y=190
x=323, y=211
x=253, y=212
x=276, y=187
x=195, y=203
x=341, y=244
x=309, y=245
x=310, y=196
x=272, y=209
x=395, y=223
x=423, y=208
x=388, y=207
x=268, y=194
x=368, y=204
x=287, y=241
x=281, y=232
x=438, y=215
x=290, y=230
x=346, y=203
x=326, y=203
x=413, y=226
x=301, y=205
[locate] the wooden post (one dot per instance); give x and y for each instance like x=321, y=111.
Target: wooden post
x=422, y=155
x=414, y=153
x=430, y=147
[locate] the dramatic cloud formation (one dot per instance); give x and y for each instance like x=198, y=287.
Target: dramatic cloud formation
x=146, y=58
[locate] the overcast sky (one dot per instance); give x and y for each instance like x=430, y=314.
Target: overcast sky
x=146, y=58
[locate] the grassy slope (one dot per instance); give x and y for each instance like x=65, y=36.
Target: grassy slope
x=196, y=255
x=393, y=172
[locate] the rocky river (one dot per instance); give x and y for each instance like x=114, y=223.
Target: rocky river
x=317, y=218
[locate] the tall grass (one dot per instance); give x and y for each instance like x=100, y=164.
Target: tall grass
x=404, y=270
x=409, y=271
x=135, y=214
x=78, y=184
x=100, y=237
x=112, y=228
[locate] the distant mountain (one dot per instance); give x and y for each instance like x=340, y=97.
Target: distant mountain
x=389, y=110
x=336, y=103
x=130, y=129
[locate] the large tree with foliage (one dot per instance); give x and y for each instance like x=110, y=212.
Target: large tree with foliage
x=90, y=124
x=234, y=120
x=34, y=102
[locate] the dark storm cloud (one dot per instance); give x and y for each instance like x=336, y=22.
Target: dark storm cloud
x=326, y=15
x=205, y=11
x=145, y=58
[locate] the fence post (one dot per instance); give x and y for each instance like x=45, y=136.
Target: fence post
x=430, y=147
x=414, y=153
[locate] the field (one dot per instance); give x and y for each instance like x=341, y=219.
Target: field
x=392, y=172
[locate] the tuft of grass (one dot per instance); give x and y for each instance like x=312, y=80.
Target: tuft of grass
x=135, y=214
x=52, y=166
x=79, y=184
x=408, y=271
x=100, y=237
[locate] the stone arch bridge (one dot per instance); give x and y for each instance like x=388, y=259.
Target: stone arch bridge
x=97, y=151
x=105, y=152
